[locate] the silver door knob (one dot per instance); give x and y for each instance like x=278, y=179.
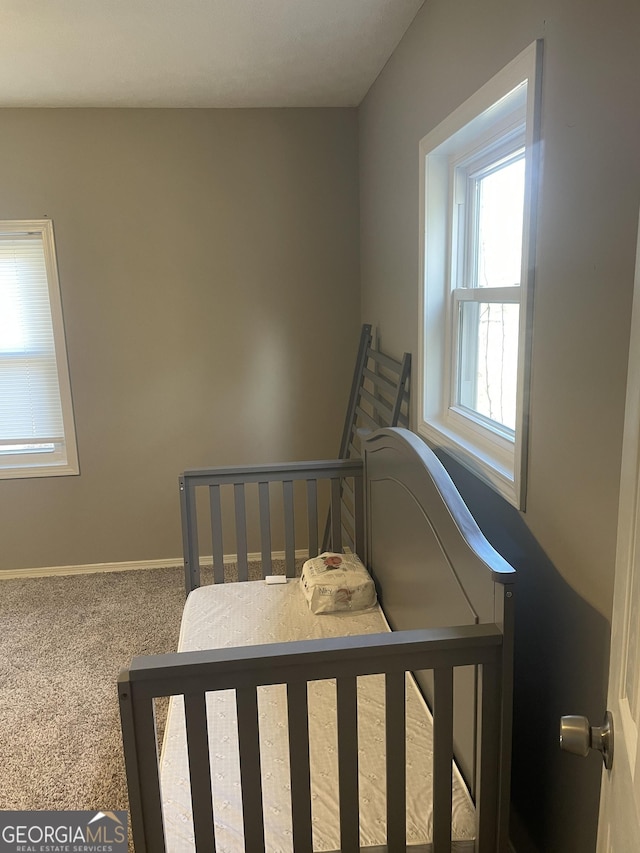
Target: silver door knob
x=578, y=737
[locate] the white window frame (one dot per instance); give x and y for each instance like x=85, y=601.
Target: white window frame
x=60, y=457
x=502, y=117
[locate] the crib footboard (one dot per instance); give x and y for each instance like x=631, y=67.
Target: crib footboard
x=244, y=669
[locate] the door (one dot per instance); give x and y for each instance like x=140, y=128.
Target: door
x=619, y=825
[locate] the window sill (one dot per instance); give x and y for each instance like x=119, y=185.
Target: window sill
x=487, y=461
x=20, y=473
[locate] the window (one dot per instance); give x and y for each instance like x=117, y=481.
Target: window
x=37, y=436
x=478, y=179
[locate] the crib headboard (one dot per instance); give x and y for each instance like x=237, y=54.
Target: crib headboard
x=432, y=565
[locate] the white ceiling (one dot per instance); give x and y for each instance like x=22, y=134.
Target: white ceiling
x=195, y=53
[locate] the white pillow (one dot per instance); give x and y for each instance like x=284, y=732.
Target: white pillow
x=333, y=582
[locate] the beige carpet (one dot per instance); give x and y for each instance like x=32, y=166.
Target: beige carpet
x=63, y=641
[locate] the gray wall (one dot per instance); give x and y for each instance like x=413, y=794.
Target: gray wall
x=209, y=272
x=587, y=226
x=561, y=663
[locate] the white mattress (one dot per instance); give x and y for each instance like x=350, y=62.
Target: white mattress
x=236, y=614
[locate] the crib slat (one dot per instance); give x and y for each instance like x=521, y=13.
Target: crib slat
x=199, y=771
x=297, y=707
x=442, y=757
x=384, y=360
x=370, y=422
x=347, y=494
x=312, y=516
x=347, y=700
x=380, y=382
x=396, y=761
x=336, y=523
x=348, y=521
x=265, y=528
x=250, y=778
x=402, y=383
x=380, y=405
x=189, y=536
x=487, y=794
x=215, y=509
x=347, y=541
x=139, y=731
x=289, y=530
x=241, y=531
x=358, y=504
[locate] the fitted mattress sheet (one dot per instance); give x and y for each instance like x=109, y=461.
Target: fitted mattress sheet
x=238, y=614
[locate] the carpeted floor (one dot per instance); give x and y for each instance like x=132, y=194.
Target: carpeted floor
x=63, y=641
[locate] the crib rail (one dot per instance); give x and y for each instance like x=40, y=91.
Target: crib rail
x=295, y=664
x=257, y=510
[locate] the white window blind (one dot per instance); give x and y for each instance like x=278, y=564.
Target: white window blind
x=36, y=423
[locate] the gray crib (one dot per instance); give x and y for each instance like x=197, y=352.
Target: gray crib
x=446, y=594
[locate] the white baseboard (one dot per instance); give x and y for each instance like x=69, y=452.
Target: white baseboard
x=92, y=568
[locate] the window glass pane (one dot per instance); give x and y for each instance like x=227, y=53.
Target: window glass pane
x=499, y=212
x=12, y=332
x=488, y=360
x=31, y=407
x=36, y=417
